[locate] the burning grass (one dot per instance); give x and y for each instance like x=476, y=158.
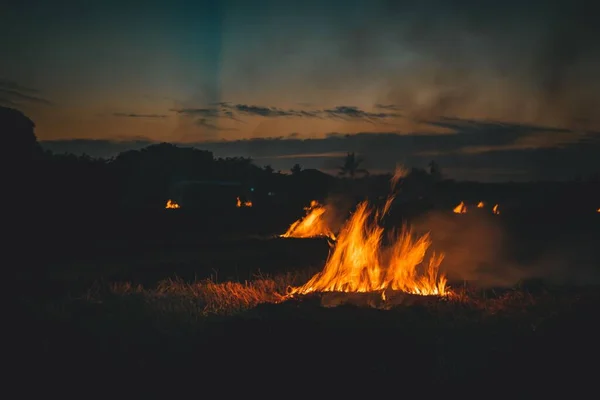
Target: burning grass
x=313, y=224
x=172, y=204
x=461, y=208
x=239, y=203
x=191, y=300
x=361, y=261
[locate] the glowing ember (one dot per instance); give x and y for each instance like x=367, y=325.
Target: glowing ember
x=495, y=210
x=239, y=203
x=172, y=204
x=481, y=204
x=313, y=224
x=461, y=208
x=361, y=262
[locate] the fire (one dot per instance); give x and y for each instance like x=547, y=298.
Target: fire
x=481, y=204
x=239, y=203
x=361, y=262
x=172, y=204
x=313, y=224
x=461, y=208
x=496, y=211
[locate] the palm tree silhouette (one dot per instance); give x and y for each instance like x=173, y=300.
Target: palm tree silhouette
x=351, y=166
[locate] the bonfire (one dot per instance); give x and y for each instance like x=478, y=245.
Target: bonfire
x=172, y=204
x=361, y=261
x=312, y=225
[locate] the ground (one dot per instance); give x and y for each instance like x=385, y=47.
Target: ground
x=162, y=308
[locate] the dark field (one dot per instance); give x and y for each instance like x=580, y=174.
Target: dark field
x=143, y=300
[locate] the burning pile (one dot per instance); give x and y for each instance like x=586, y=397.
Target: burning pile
x=313, y=224
x=363, y=261
x=172, y=204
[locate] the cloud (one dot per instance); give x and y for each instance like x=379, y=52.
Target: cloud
x=237, y=111
x=14, y=94
x=265, y=111
x=205, y=123
x=11, y=85
x=386, y=106
x=335, y=154
x=349, y=112
x=498, y=157
x=199, y=112
x=134, y=115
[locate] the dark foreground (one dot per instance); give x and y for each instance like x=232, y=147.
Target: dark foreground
x=520, y=342
x=532, y=338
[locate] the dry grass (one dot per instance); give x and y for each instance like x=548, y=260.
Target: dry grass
x=207, y=296
x=180, y=299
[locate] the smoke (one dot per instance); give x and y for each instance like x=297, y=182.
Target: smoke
x=515, y=61
x=338, y=206
x=481, y=248
x=473, y=247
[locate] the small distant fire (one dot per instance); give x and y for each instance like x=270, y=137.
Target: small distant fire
x=239, y=203
x=313, y=224
x=360, y=261
x=481, y=204
x=495, y=210
x=172, y=204
x=461, y=208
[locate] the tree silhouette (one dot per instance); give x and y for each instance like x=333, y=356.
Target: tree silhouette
x=435, y=171
x=20, y=143
x=351, y=166
x=268, y=169
x=296, y=169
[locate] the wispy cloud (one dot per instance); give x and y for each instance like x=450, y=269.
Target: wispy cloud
x=387, y=107
x=238, y=111
x=206, y=123
x=15, y=94
x=136, y=115
x=350, y=112
x=199, y=112
x=331, y=154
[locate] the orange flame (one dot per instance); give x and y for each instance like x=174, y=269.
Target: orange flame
x=172, y=204
x=313, y=224
x=481, y=204
x=399, y=172
x=495, y=210
x=360, y=262
x=461, y=208
x=239, y=203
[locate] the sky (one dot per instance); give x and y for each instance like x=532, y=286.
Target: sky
x=490, y=90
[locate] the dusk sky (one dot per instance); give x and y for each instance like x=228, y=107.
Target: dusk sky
x=491, y=90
